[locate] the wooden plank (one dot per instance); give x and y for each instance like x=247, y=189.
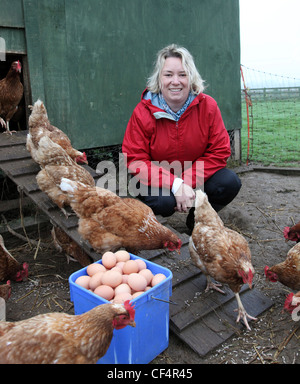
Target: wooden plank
x=7, y=205
x=46, y=204
x=194, y=303
x=181, y=265
x=280, y=170
x=19, y=152
x=27, y=183
x=21, y=168
x=18, y=138
x=208, y=334
x=220, y=324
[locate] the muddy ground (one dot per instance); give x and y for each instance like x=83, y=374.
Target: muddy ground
x=266, y=203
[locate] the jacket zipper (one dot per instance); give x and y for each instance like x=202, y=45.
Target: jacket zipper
x=178, y=147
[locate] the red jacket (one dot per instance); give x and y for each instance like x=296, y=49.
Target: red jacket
x=198, y=136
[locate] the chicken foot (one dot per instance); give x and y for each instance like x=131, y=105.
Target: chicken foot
x=6, y=126
x=66, y=213
x=242, y=314
x=2, y=122
x=211, y=285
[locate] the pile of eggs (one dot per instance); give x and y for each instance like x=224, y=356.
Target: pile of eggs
x=119, y=278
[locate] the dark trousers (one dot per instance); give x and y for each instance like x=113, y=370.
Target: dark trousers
x=221, y=188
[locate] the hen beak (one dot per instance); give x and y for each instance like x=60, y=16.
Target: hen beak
x=132, y=323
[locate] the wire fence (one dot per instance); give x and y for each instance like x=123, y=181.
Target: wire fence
x=270, y=131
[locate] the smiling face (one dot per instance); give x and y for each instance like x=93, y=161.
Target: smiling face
x=174, y=83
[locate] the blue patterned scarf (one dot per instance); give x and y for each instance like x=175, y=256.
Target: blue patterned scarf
x=178, y=114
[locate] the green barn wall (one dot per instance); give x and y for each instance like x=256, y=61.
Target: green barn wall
x=12, y=28
x=89, y=60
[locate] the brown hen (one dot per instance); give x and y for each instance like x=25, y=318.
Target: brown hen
x=292, y=233
x=288, y=271
x=10, y=268
x=109, y=222
x=59, y=338
x=220, y=252
x=56, y=164
x=40, y=126
x=11, y=92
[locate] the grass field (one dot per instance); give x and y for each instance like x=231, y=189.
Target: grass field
x=274, y=132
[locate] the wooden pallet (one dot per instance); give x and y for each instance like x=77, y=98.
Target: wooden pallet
x=202, y=320
x=17, y=164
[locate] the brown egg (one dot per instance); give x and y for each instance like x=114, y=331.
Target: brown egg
x=122, y=288
x=94, y=268
x=122, y=255
x=105, y=291
x=118, y=269
x=147, y=274
x=125, y=279
x=112, y=278
x=157, y=279
x=141, y=264
x=122, y=297
x=137, y=282
x=120, y=264
x=136, y=294
x=83, y=281
x=96, y=280
x=130, y=266
x=109, y=260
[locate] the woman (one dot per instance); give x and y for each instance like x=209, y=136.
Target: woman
x=176, y=140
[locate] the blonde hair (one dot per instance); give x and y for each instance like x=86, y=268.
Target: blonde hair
x=173, y=50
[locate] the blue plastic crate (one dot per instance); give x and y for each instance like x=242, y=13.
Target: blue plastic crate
x=150, y=337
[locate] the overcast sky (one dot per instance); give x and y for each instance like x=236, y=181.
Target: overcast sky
x=270, y=36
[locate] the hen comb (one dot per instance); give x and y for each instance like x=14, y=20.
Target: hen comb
x=286, y=231
x=130, y=309
x=250, y=275
x=25, y=268
x=179, y=244
x=266, y=270
x=271, y=276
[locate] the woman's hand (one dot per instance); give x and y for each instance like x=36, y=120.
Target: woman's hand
x=185, y=197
